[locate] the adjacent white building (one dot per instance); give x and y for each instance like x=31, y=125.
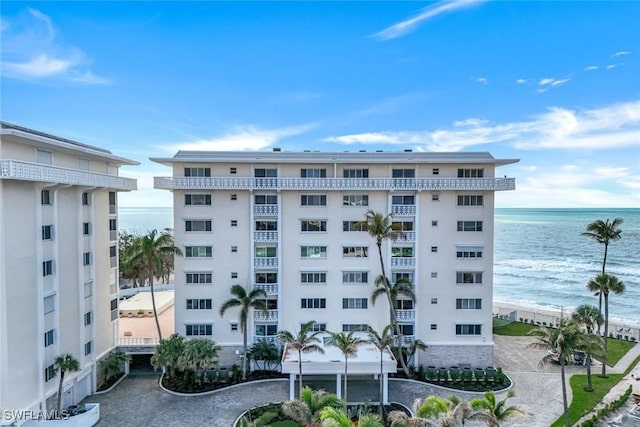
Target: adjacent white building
x=58, y=265
x=287, y=222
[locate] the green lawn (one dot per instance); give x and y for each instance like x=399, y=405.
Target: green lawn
x=616, y=349
x=513, y=329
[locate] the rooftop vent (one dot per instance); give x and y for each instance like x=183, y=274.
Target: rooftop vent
x=378, y=151
x=278, y=149
x=363, y=151
x=408, y=150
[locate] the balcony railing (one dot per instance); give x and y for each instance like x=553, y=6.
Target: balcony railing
x=265, y=263
x=273, y=339
x=113, y=235
x=113, y=262
x=265, y=236
x=403, y=210
x=269, y=288
x=407, y=236
x=403, y=262
x=268, y=316
x=28, y=171
x=405, y=315
x=113, y=209
x=407, y=340
x=249, y=183
x=136, y=341
x=265, y=210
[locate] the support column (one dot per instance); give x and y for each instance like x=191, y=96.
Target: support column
x=339, y=385
x=292, y=386
x=385, y=389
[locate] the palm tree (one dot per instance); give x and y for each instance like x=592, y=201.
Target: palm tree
x=381, y=228
x=305, y=341
x=589, y=317
x=564, y=340
x=112, y=363
x=497, y=408
x=413, y=348
x=198, y=355
x=604, y=232
x=264, y=351
x=402, y=287
x=348, y=345
x=64, y=363
x=318, y=399
x=332, y=417
x=254, y=299
x=381, y=342
x=451, y=411
x=603, y=285
x=150, y=254
x=167, y=354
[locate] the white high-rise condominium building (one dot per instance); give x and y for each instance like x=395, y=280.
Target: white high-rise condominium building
x=58, y=265
x=288, y=223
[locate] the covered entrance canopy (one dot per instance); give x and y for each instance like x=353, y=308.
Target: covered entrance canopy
x=365, y=362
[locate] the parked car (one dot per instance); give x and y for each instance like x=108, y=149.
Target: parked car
x=577, y=358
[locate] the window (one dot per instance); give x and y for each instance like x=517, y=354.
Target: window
x=233, y=171
x=470, y=173
x=44, y=157
x=469, y=252
x=197, y=225
x=359, y=277
x=313, y=225
x=197, y=330
x=402, y=225
x=404, y=304
x=114, y=309
x=47, y=232
x=358, y=303
x=313, y=303
x=197, y=199
x=88, y=348
x=434, y=300
x=313, y=173
x=355, y=173
x=404, y=173
x=406, y=276
x=313, y=200
x=198, y=251
x=113, y=225
x=265, y=173
x=468, y=304
x=470, y=200
x=234, y=197
x=313, y=278
x=234, y=326
x=265, y=199
x=406, y=329
x=434, y=223
x=199, y=172
x=234, y=222
x=354, y=226
x=86, y=258
x=234, y=275
x=434, y=274
x=234, y=249
x=403, y=200
x=469, y=225
x=50, y=372
x=318, y=327
x=434, y=249
x=47, y=268
x=469, y=329
x=266, y=330
x=49, y=304
x=113, y=252
x=355, y=200
x=48, y=338
x=434, y=326
x=266, y=252
x=114, y=304
x=435, y=171
x=88, y=289
x=355, y=252
x=402, y=252
x=88, y=318
x=85, y=199
x=355, y=327
x=435, y=197
x=313, y=251
x=198, y=278
x=84, y=164
x=199, y=304
x=45, y=197
x=112, y=202
x=266, y=225
x=86, y=228
x=468, y=277
x=266, y=277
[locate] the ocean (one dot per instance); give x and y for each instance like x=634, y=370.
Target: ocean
x=541, y=259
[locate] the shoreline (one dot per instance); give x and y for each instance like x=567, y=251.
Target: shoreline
x=550, y=316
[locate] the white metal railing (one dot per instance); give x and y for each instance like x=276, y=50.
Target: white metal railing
x=113, y=262
x=406, y=340
x=405, y=315
x=133, y=291
x=113, y=209
x=268, y=316
x=406, y=236
x=403, y=262
x=265, y=236
x=249, y=183
x=113, y=235
x=267, y=338
x=29, y=171
x=265, y=263
x=265, y=210
x=136, y=341
x=403, y=210
x=268, y=288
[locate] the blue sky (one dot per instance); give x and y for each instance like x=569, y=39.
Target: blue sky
x=555, y=84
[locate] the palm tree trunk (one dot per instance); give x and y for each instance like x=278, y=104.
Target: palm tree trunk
x=606, y=334
x=589, y=382
x=380, y=407
x=564, y=395
x=60, y=392
x=153, y=303
x=345, y=382
x=604, y=260
x=300, y=374
x=604, y=263
x=244, y=352
x=599, y=310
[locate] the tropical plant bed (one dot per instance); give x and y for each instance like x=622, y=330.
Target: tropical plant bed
x=472, y=385
x=185, y=383
x=110, y=381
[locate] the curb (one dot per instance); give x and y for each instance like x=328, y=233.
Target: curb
x=113, y=386
x=206, y=393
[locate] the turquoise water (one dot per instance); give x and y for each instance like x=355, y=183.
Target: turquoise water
x=541, y=260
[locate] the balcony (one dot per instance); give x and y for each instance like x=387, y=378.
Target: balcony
x=273, y=339
x=113, y=262
x=406, y=237
x=403, y=262
x=265, y=210
x=416, y=184
x=405, y=315
x=403, y=210
x=268, y=316
x=28, y=171
x=268, y=263
x=407, y=340
x=113, y=235
x=265, y=236
x=269, y=288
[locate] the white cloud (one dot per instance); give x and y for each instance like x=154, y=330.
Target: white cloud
x=612, y=66
x=522, y=81
x=621, y=53
x=481, y=80
x=553, y=82
x=32, y=50
x=407, y=26
x=241, y=138
x=591, y=68
x=613, y=126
